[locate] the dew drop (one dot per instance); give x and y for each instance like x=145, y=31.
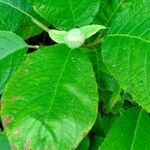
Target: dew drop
x=140, y=84
x=114, y=65
x=72, y=59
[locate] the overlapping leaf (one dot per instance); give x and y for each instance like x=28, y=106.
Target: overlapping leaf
x=4, y=143
x=126, y=52
x=109, y=10
x=12, y=52
x=51, y=100
x=130, y=131
x=12, y=13
x=67, y=14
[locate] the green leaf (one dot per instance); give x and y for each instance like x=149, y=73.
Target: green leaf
x=75, y=35
x=130, y=131
x=95, y=142
x=67, y=14
x=109, y=10
x=13, y=14
x=12, y=52
x=109, y=91
x=104, y=123
x=126, y=52
x=57, y=36
x=4, y=143
x=28, y=28
x=54, y=104
x=90, y=30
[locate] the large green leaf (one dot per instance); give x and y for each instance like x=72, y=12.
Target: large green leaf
x=126, y=52
x=130, y=132
x=12, y=52
x=12, y=13
x=66, y=14
x=51, y=100
x=109, y=9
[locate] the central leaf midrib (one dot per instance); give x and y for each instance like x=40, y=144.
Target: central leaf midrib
x=58, y=81
x=71, y=9
x=135, y=131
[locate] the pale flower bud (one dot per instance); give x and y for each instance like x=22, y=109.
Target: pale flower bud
x=74, y=38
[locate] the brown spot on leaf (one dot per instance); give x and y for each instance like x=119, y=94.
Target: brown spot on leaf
x=27, y=145
x=84, y=134
x=53, y=147
x=46, y=147
x=25, y=71
x=16, y=131
x=13, y=147
x=6, y=121
x=1, y=102
x=73, y=148
x=29, y=62
x=15, y=98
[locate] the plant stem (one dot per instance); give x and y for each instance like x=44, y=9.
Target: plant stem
x=40, y=24
x=96, y=42
x=33, y=46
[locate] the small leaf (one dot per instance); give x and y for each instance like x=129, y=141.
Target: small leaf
x=12, y=52
x=57, y=36
x=74, y=38
x=51, y=100
x=90, y=30
x=130, y=131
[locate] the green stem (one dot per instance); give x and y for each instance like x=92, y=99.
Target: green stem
x=42, y=26
x=95, y=43
x=33, y=46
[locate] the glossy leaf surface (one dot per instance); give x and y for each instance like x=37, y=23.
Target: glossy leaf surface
x=62, y=106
